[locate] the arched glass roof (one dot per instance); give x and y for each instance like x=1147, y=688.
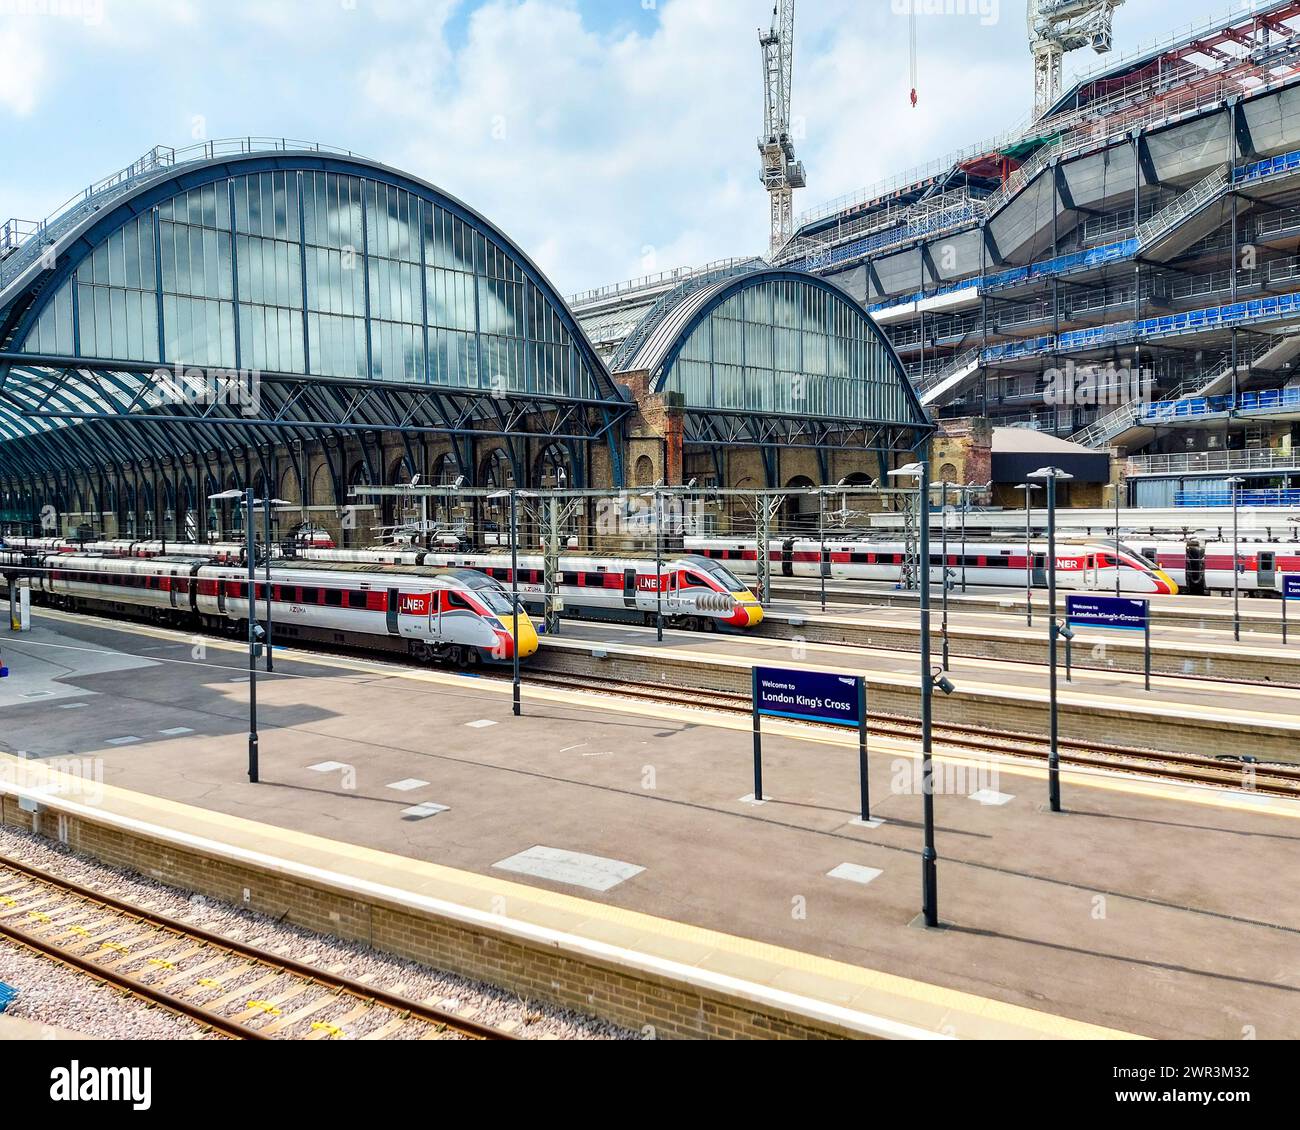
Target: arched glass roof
x=775, y=341
x=302, y=263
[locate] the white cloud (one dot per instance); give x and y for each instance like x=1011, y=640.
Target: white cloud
x=608, y=140
x=25, y=68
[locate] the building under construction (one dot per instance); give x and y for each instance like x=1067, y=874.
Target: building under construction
x=1123, y=273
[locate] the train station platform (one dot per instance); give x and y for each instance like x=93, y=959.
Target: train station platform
x=603, y=846
x=1178, y=648
x=1178, y=714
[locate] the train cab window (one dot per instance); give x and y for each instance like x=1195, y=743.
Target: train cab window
x=455, y=600
x=689, y=582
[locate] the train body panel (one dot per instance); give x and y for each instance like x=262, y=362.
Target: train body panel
x=452, y=614
x=1078, y=567
x=687, y=588
x=1208, y=566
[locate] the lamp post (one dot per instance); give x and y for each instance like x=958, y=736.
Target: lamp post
x=1055, y=631
x=821, y=543
x=266, y=504
x=1235, y=483
x=656, y=494
x=1116, y=487
x=1029, y=489
x=516, y=690
x=945, y=573
x=254, y=631
x=929, y=680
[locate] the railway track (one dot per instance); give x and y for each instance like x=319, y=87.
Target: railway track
x=229, y=988
x=1267, y=778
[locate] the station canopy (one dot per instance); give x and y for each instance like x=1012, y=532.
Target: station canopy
x=364, y=298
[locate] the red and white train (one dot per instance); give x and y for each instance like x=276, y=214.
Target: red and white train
x=1079, y=566
x=1202, y=567
x=457, y=616
x=691, y=590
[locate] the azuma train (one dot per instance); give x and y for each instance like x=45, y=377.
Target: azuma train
x=1079, y=566
x=456, y=616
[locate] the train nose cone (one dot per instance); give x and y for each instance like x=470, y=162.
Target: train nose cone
x=528, y=643
x=1166, y=583
x=753, y=610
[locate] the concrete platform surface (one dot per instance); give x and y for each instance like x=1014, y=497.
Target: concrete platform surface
x=1144, y=908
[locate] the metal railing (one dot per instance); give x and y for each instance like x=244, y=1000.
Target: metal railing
x=968, y=360
x=1173, y=214
x=33, y=237
x=660, y=280
x=1213, y=462
x=1278, y=496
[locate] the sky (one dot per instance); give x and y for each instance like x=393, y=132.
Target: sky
x=609, y=138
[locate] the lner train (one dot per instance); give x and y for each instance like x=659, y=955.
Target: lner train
x=690, y=590
x=1202, y=567
x=458, y=616
x=1078, y=566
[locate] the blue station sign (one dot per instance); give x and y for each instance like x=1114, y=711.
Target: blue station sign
x=1123, y=613
x=812, y=696
x=1291, y=586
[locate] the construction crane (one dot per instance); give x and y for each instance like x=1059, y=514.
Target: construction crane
x=782, y=174
x=1058, y=26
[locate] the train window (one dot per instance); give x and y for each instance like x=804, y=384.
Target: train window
x=333, y=598
x=455, y=600
x=356, y=600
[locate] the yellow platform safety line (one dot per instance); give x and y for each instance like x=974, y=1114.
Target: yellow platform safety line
x=264, y=1006
x=1110, y=782
x=333, y=1031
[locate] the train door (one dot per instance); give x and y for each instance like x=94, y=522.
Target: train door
x=1266, y=573
x=1040, y=570
x=629, y=588
x=1194, y=575
x=393, y=628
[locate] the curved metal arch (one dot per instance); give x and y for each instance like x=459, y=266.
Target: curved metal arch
x=728, y=289
x=21, y=311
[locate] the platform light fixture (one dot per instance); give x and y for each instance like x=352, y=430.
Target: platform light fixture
x=1029, y=489
x=266, y=504
x=1235, y=484
x=514, y=494
x=1052, y=475
x=929, y=856
x=255, y=633
x=656, y=492
x=1117, y=488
